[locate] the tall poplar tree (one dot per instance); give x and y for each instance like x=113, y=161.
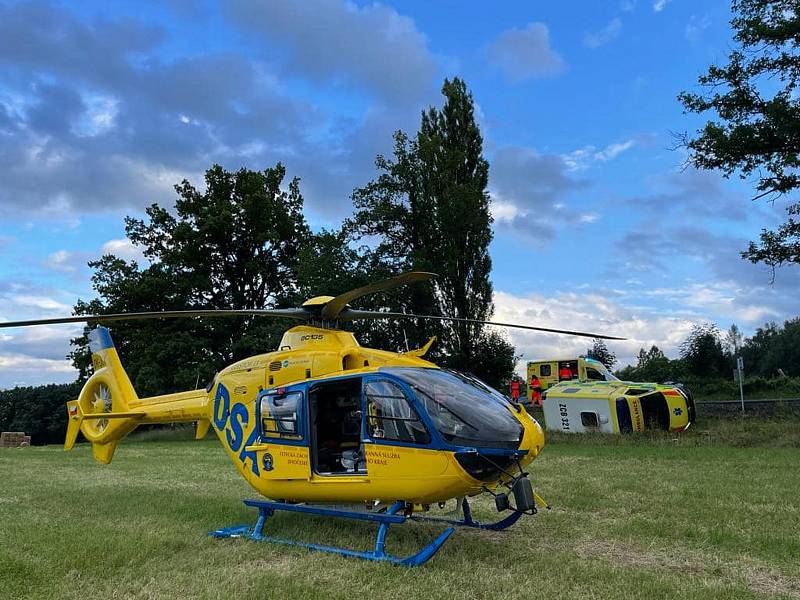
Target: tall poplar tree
x=429, y=210
x=453, y=179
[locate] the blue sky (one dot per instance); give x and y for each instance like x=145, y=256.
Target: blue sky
x=598, y=224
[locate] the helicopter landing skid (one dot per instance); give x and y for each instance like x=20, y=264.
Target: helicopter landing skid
x=267, y=509
x=468, y=521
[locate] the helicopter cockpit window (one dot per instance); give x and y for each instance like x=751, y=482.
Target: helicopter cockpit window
x=390, y=416
x=464, y=412
x=279, y=416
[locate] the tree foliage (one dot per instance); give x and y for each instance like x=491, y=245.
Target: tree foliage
x=702, y=352
x=38, y=411
x=599, y=351
x=773, y=349
x=243, y=242
x=757, y=131
x=235, y=245
x=429, y=210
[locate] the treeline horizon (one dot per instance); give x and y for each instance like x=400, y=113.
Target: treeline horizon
x=708, y=353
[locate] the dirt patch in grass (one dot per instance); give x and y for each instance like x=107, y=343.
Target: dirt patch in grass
x=624, y=554
x=758, y=578
x=762, y=580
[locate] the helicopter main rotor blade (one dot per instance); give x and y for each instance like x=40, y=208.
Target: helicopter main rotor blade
x=334, y=307
x=350, y=315
x=289, y=313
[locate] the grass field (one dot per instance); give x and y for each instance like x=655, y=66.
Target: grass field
x=644, y=518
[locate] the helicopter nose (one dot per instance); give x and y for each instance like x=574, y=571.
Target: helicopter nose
x=533, y=440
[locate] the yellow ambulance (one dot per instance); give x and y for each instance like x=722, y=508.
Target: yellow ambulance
x=581, y=395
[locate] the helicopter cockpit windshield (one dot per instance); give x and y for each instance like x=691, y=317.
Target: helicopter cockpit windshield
x=464, y=413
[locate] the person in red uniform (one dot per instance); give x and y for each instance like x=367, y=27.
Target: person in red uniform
x=564, y=373
x=515, y=390
x=536, y=391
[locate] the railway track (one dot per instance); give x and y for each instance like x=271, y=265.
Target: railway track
x=763, y=406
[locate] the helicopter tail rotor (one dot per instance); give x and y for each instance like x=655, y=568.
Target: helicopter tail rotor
x=108, y=407
x=102, y=411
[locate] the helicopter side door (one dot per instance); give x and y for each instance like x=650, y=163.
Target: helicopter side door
x=282, y=451
x=397, y=441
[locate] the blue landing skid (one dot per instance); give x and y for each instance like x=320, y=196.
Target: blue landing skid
x=468, y=521
x=266, y=509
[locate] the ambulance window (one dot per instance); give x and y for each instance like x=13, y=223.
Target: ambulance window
x=589, y=419
x=390, y=416
x=594, y=374
x=545, y=371
x=279, y=416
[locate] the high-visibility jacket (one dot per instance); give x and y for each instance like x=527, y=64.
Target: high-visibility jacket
x=565, y=373
x=536, y=391
x=515, y=389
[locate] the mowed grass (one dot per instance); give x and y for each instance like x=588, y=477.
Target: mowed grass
x=646, y=519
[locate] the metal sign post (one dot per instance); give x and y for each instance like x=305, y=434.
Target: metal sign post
x=740, y=372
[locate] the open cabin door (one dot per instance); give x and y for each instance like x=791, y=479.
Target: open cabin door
x=335, y=420
x=282, y=451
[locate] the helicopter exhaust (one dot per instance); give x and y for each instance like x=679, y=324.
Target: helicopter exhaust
x=108, y=407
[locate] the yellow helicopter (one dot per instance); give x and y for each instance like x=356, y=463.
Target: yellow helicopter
x=323, y=422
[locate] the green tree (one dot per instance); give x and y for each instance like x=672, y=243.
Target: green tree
x=39, y=411
x=773, y=347
x=757, y=106
x=237, y=244
x=599, y=351
x=702, y=352
x=429, y=210
x=653, y=366
x=733, y=340
x=497, y=353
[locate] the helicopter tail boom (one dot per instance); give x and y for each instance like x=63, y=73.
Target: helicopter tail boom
x=108, y=407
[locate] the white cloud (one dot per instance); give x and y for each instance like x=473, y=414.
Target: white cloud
x=21, y=362
x=525, y=53
x=603, y=312
x=696, y=26
x=602, y=37
x=23, y=370
x=525, y=187
x=729, y=299
x=581, y=159
x=99, y=117
x=613, y=150
x=125, y=249
x=503, y=210
x=659, y=5
x=330, y=41
x=42, y=302
x=61, y=260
